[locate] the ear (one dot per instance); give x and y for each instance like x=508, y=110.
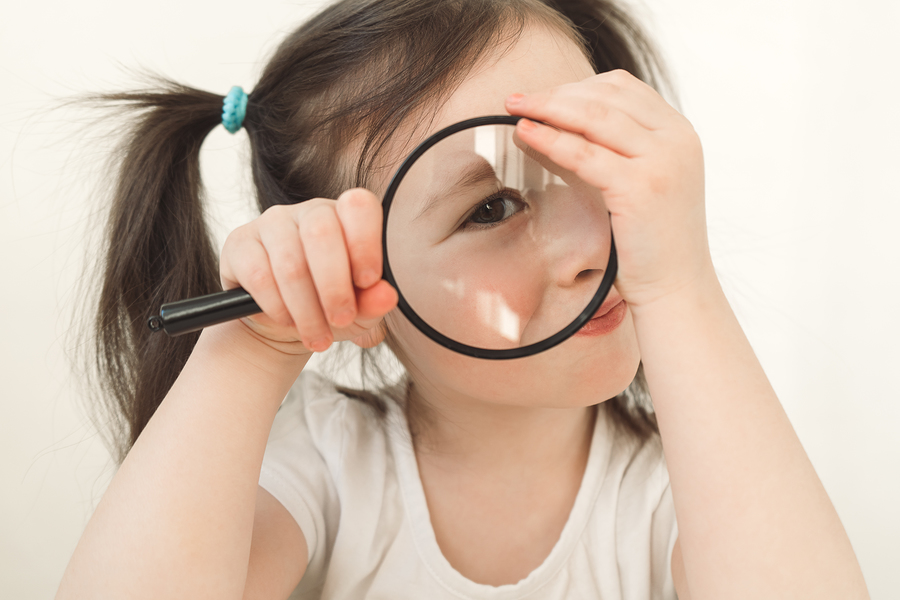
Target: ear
x=372, y=337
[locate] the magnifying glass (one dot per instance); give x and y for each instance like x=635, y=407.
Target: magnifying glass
x=495, y=251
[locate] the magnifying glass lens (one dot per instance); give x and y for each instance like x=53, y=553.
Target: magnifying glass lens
x=493, y=245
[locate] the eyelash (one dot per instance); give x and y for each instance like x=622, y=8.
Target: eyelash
x=508, y=193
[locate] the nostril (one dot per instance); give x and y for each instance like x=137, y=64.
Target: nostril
x=589, y=275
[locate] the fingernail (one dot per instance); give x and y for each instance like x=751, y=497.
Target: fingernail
x=514, y=98
x=526, y=125
x=320, y=345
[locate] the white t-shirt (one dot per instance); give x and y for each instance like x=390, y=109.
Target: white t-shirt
x=352, y=484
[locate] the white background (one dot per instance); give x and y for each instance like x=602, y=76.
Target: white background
x=795, y=102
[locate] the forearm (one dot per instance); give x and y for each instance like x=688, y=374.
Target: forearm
x=177, y=519
x=754, y=520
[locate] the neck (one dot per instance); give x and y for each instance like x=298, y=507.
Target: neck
x=496, y=439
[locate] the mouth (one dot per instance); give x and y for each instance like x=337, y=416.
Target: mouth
x=607, y=318
x=611, y=302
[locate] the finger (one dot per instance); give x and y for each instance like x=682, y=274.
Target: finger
x=568, y=177
x=371, y=338
x=595, y=120
x=374, y=303
x=361, y=215
x=592, y=163
x=635, y=96
x=245, y=264
x=615, y=89
x=281, y=239
x=326, y=254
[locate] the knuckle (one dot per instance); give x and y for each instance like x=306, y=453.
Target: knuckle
x=276, y=212
x=237, y=236
x=337, y=300
x=231, y=238
x=318, y=229
x=318, y=224
x=582, y=153
x=258, y=278
x=550, y=96
x=598, y=111
x=619, y=76
x=685, y=136
x=312, y=205
x=616, y=119
x=282, y=316
x=612, y=90
x=361, y=253
x=356, y=199
x=658, y=182
x=294, y=269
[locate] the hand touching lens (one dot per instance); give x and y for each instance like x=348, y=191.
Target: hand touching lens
x=619, y=135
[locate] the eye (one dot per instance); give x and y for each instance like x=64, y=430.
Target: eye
x=495, y=209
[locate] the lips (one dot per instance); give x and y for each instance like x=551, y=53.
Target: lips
x=611, y=301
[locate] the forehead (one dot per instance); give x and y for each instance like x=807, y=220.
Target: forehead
x=540, y=59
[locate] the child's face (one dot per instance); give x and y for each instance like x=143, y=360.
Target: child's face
x=581, y=371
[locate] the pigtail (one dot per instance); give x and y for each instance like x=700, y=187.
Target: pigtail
x=157, y=250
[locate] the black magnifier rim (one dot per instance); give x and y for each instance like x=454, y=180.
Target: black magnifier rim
x=606, y=283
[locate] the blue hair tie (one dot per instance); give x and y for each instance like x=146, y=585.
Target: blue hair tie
x=234, y=107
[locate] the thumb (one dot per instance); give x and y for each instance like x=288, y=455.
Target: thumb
x=372, y=304
x=371, y=337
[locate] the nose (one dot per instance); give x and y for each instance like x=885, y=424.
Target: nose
x=578, y=236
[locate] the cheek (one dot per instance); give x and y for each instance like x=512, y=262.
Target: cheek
x=485, y=299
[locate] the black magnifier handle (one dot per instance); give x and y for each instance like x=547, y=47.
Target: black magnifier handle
x=193, y=314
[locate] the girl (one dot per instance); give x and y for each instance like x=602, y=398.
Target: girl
x=542, y=477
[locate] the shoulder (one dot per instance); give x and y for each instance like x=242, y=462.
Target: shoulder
x=632, y=481
x=644, y=513
x=631, y=530
x=325, y=451
x=311, y=393
x=313, y=401
x=639, y=464
x=316, y=412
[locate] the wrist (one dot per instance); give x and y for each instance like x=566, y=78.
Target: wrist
x=248, y=348
x=703, y=293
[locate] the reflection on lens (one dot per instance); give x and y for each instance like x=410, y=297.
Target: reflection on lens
x=492, y=244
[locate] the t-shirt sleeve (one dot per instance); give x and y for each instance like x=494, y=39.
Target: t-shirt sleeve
x=294, y=469
x=646, y=528
x=664, y=532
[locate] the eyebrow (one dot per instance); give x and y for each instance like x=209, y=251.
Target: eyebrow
x=476, y=172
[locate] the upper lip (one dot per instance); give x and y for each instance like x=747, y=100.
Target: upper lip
x=612, y=300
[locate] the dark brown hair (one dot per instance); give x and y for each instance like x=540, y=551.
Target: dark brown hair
x=355, y=72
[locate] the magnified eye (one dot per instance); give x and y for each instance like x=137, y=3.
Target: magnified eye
x=495, y=209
